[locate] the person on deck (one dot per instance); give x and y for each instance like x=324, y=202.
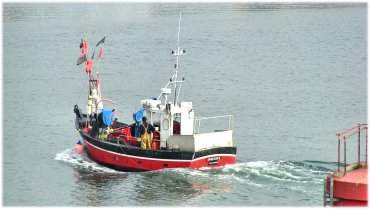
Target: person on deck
x=134, y=127
x=146, y=133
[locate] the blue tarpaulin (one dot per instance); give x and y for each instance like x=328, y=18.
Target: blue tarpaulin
x=139, y=115
x=108, y=117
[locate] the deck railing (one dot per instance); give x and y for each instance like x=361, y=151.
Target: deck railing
x=228, y=126
x=344, y=135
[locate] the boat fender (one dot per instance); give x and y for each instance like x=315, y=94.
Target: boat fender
x=78, y=147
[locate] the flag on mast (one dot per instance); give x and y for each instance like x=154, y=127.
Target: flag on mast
x=101, y=52
x=89, y=64
x=101, y=41
x=101, y=49
x=81, y=60
x=83, y=47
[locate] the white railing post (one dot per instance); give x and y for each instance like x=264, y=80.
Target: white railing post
x=198, y=126
x=229, y=122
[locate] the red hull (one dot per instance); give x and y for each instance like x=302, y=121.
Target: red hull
x=136, y=163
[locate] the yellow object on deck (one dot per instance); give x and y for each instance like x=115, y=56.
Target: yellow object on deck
x=146, y=142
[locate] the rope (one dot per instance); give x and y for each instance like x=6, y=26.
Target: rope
x=83, y=87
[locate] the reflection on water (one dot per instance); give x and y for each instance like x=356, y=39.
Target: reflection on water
x=177, y=186
x=165, y=187
x=160, y=188
x=92, y=187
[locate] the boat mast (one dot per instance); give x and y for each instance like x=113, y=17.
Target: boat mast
x=173, y=79
x=177, y=53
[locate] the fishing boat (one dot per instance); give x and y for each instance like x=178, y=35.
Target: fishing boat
x=348, y=185
x=178, y=140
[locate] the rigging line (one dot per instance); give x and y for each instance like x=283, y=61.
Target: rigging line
x=83, y=87
x=169, y=82
x=98, y=78
x=98, y=82
x=97, y=68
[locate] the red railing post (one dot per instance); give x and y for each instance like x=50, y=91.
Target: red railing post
x=366, y=146
x=345, y=154
x=359, y=136
x=344, y=135
x=338, y=152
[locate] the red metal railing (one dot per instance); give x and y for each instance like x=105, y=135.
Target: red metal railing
x=347, y=134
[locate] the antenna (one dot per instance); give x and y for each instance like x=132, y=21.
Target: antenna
x=178, y=34
x=174, y=78
x=177, y=53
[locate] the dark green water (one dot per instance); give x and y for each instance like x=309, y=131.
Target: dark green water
x=293, y=75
